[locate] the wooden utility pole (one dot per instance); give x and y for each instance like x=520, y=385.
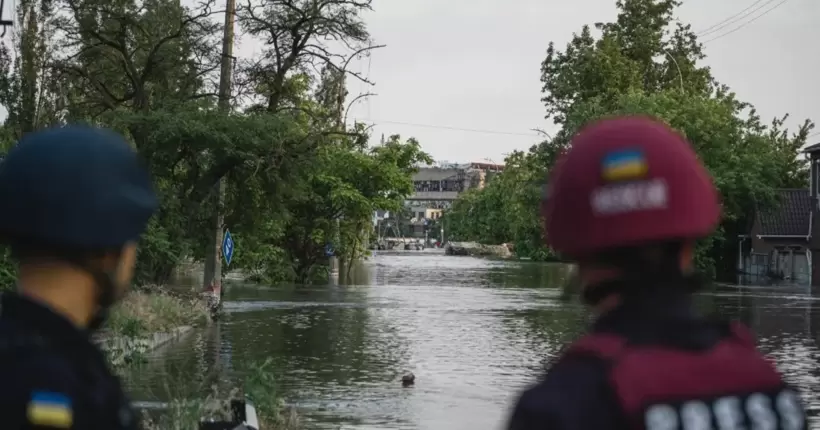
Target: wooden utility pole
x=213, y=261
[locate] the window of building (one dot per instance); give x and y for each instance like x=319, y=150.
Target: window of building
x=451, y=185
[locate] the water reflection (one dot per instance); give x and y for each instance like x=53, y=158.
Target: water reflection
x=473, y=331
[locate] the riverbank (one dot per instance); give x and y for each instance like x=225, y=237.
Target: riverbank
x=475, y=249
x=145, y=320
x=259, y=385
x=150, y=318
x=187, y=415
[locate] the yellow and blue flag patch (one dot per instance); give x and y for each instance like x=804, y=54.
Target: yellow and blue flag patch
x=624, y=165
x=48, y=409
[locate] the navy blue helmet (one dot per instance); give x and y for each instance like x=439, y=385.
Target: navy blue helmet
x=74, y=188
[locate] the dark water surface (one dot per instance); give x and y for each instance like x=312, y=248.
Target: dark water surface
x=473, y=331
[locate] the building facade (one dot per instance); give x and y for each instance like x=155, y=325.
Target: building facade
x=439, y=185
x=435, y=189
x=783, y=237
x=778, y=246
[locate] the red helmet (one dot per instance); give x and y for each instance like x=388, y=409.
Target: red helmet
x=627, y=181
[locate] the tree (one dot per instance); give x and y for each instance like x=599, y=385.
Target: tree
x=350, y=182
x=505, y=211
x=643, y=63
x=123, y=55
x=298, y=174
x=637, y=52
x=297, y=34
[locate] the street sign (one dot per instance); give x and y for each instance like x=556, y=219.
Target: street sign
x=227, y=247
x=329, y=251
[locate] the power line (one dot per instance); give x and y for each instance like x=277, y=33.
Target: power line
x=446, y=127
x=733, y=18
x=476, y=130
x=746, y=23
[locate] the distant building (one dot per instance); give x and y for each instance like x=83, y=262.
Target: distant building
x=421, y=214
x=436, y=187
x=441, y=184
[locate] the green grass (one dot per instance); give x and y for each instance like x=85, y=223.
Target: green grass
x=142, y=313
x=260, y=387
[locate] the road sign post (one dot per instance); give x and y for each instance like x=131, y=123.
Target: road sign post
x=227, y=247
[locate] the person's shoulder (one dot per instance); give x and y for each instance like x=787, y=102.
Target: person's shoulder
x=574, y=394
x=25, y=355
x=29, y=366
x=39, y=390
x=581, y=374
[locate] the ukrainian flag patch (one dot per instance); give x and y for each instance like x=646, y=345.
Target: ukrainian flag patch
x=48, y=409
x=624, y=165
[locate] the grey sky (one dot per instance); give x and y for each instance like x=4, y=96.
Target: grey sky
x=474, y=64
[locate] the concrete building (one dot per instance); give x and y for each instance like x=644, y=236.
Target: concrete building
x=436, y=187
x=439, y=185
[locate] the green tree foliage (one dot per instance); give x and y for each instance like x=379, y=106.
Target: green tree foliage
x=645, y=62
x=502, y=212
x=298, y=175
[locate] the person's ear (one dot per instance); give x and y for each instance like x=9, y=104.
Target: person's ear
x=120, y=265
x=687, y=257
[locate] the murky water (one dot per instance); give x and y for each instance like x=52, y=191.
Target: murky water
x=473, y=331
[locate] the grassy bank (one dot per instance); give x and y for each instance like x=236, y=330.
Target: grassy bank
x=259, y=386
x=153, y=311
x=147, y=319
x=145, y=312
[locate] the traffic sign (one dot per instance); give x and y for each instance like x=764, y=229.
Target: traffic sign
x=227, y=247
x=329, y=251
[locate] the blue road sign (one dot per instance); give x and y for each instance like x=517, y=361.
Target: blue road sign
x=227, y=247
x=329, y=251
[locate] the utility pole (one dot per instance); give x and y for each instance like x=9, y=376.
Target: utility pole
x=213, y=258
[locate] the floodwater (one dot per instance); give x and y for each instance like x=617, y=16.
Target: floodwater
x=474, y=332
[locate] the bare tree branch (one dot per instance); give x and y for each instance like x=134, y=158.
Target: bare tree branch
x=352, y=102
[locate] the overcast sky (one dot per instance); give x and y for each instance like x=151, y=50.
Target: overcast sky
x=474, y=65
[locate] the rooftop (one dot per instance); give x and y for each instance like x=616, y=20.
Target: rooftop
x=790, y=216
x=812, y=148
x=434, y=174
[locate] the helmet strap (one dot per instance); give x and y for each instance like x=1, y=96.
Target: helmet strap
x=106, y=297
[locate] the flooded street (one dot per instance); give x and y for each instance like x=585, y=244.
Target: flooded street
x=473, y=331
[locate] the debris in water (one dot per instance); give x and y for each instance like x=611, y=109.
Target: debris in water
x=408, y=379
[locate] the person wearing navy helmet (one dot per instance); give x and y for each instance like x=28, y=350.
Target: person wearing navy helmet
x=76, y=201
x=627, y=203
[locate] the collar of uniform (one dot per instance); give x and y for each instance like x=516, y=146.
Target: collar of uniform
x=40, y=318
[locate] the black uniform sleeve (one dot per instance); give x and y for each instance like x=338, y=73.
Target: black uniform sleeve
x=574, y=395
x=40, y=393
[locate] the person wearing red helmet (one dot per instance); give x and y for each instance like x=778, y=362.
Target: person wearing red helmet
x=627, y=203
